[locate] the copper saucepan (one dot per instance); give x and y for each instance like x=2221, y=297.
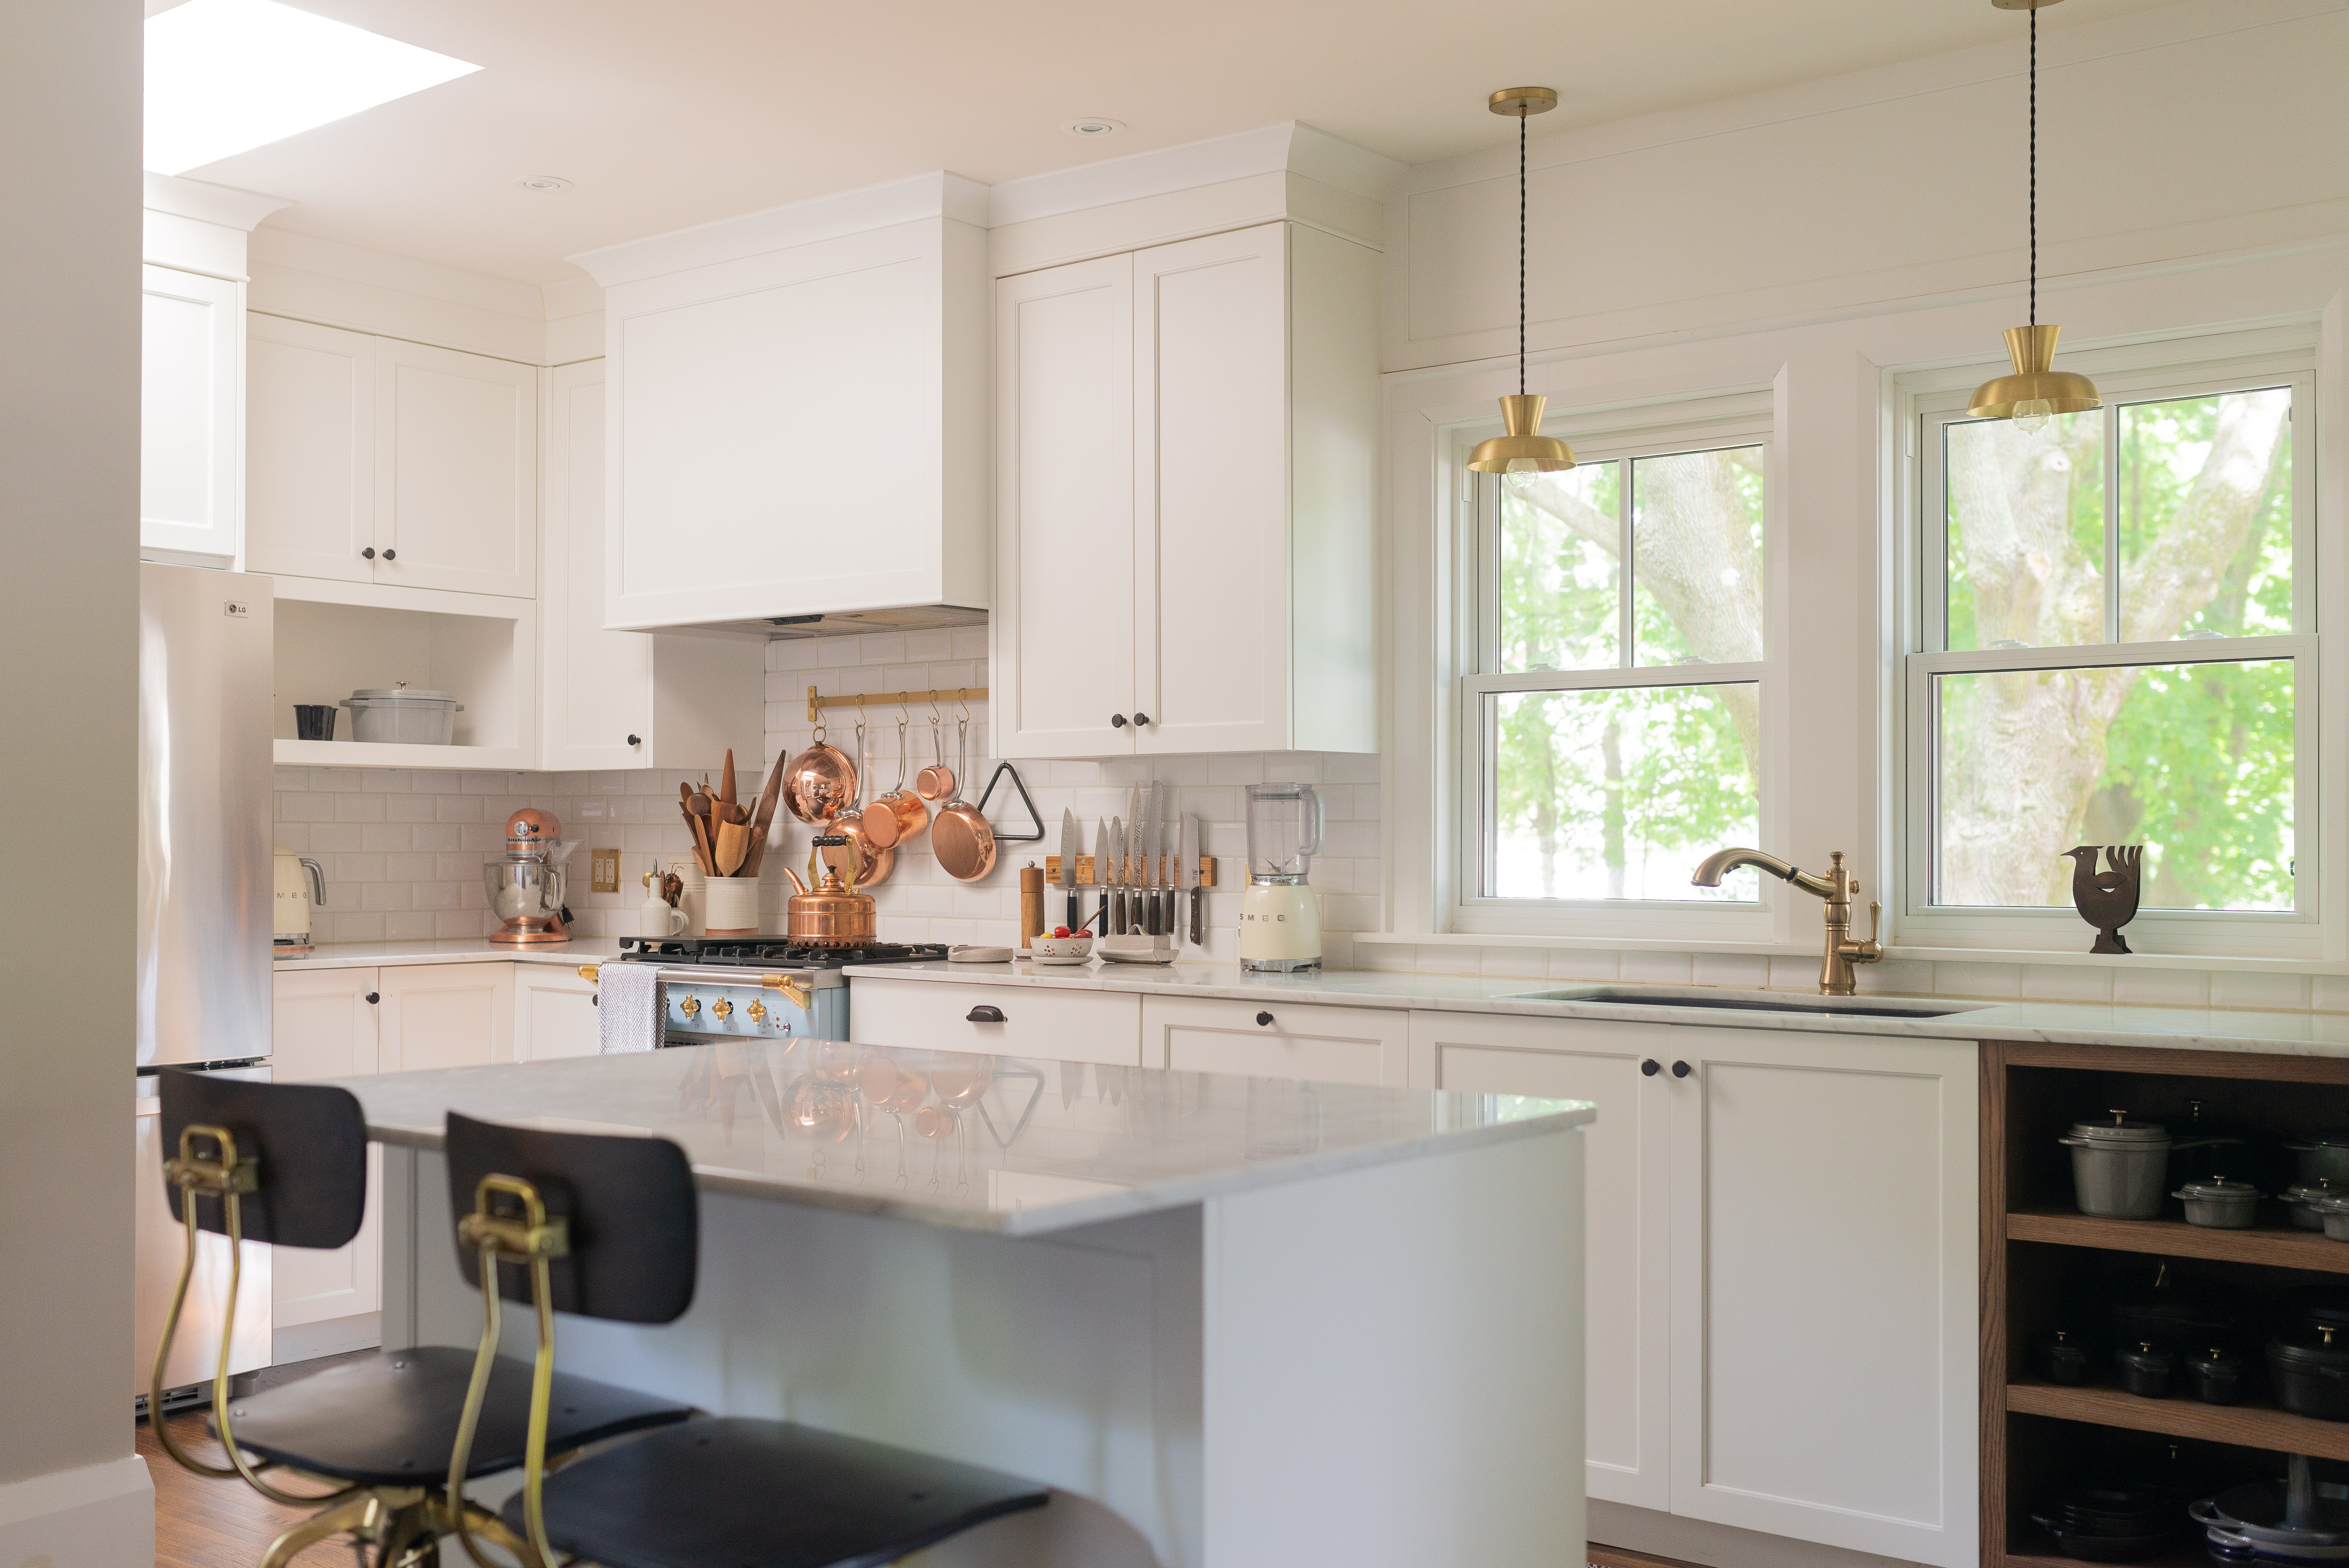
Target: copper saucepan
x=900, y=814
x=964, y=839
x=936, y=781
x=821, y=782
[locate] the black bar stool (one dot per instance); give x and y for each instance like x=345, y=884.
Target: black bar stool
x=607, y=1226
x=286, y=1164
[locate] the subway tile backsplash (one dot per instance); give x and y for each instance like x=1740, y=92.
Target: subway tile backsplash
x=402, y=851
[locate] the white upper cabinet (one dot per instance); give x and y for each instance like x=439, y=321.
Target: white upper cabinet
x=623, y=699
x=798, y=410
x=1187, y=432
x=191, y=425
x=456, y=470
x=375, y=460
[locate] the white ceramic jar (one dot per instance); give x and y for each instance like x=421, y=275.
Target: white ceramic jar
x=731, y=905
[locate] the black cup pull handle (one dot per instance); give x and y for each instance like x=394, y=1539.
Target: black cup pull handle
x=983, y=1014
x=1264, y=1020
x=1651, y=1067
x=369, y=553
x=1117, y=721
x=373, y=998
x=1682, y=1069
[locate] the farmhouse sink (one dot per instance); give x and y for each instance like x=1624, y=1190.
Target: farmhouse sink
x=1750, y=1002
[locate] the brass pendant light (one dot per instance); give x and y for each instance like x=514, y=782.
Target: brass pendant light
x=2037, y=391
x=1524, y=450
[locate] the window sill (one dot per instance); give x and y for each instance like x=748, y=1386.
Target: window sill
x=1811, y=950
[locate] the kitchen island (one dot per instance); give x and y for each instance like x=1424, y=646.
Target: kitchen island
x=1231, y=1321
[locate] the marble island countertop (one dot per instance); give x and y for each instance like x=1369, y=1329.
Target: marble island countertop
x=1926, y=1017
x=965, y=1142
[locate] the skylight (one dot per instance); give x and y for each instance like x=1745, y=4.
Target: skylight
x=227, y=76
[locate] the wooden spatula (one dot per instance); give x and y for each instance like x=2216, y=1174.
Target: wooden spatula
x=762, y=815
x=733, y=846
x=725, y=779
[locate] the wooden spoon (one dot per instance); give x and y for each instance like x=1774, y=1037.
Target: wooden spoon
x=701, y=856
x=763, y=814
x=733, y=846
x=726, y=779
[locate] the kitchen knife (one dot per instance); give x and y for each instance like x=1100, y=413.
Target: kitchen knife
x=1114, y=898
x=1188, y=878
x=1100, y=877
x=1068, y=846
x=1165, y=835
x=1132, y=868
x=1151, y=829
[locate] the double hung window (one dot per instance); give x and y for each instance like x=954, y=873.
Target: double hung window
x=2115, y=643
x=1612, y=715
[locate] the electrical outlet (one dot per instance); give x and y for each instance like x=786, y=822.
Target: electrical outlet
x=607, y=871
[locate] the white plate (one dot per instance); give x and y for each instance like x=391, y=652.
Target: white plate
x=1136, y=957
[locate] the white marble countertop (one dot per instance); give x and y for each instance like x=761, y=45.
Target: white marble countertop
x=2052, y=1022
x=449, y=950
x=968, y=1143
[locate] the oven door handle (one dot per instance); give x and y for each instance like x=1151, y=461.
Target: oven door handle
x=801, y=994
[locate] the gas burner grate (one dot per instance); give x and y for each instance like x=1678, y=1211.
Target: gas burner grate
x=742, y=952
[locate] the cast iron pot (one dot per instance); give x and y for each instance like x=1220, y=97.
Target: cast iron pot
x=2061, y=1355
x=2111, y=1523
x=2145, y=1368
x=2310, y=1371
x=2216, y=1376
x=2323, y=1157
x=2176, y=1317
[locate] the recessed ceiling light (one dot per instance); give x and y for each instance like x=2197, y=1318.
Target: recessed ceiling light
x=1094, y=125
x=544, y=182
x=225, y=76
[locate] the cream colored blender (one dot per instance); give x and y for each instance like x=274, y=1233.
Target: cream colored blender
x=1280, y=917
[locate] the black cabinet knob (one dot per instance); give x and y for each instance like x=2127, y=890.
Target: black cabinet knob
x=1651, y=1067
x=1264, y=1020
x=369, y=553
x=1682, y=1069
x=1117, y=721
x=983, y=1014
x=391, y=554
x=635, y=740
x=1142, y=718
x=373, y=998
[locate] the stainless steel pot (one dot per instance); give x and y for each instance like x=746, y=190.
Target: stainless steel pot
x=403, y=715
x=2222, y=1204
x=2120, y=1168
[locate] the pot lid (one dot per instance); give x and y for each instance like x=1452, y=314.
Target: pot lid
x=2216, y=1187
x=2215, y=1356
x=399, y=693
x=2147, y=1354
x=2323, y=1187
x=2118, y=1129
x=2311, y=1344
x=2330, y=1138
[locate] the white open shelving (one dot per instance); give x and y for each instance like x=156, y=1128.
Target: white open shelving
x=333, y=638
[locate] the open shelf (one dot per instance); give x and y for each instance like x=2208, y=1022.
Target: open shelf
x=2280, y=1246
x=364, y=754
x=2252, y=1424
x=2187, y=1553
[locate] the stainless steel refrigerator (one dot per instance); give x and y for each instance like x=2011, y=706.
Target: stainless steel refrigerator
x=205, y=793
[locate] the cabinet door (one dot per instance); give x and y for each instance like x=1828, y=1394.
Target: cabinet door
x=325, y=1027
x=1824, y=1306
x=192, y=414
x=309, y=441
x=597, y=686
x=1065, y=644
x=1627, y=1218
x=446, y=1015
x=1211, y=492
x=554, y=1012
x=456, y=470
x=1286, y=1040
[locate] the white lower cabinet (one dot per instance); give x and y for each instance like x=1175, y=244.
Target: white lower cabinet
x=326, y=1301
x=1263, y=1039
x=446, y=1015
x=1780, y=1299
x=1000, y=1020
x=554, y=1012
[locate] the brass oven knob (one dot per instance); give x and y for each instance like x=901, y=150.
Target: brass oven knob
x=758, y=1012
x=721, y=1008
x=689, y=1006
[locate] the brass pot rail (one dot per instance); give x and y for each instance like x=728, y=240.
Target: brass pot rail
x=816, y=705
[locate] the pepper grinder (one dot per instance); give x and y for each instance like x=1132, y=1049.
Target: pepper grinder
x=1031, y=904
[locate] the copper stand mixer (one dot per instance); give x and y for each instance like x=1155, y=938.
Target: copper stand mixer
x=525, y=884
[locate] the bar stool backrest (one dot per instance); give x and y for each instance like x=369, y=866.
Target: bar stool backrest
x=308, y=1145
x=628, y=1204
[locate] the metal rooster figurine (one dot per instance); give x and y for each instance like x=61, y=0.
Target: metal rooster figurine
x=2106, y=899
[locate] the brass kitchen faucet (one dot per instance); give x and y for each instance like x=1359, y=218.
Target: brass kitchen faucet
x=1838, y=888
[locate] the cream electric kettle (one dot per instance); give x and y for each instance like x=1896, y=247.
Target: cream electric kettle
x=301, y=888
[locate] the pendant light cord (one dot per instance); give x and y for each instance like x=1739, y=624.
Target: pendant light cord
x=1521, y=253
x=2034, y=170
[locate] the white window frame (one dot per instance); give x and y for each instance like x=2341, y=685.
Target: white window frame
x=1606, y=435
x=2146, y=372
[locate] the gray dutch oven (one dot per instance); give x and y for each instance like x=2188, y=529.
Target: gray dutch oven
x=2120, y=1168
x=2222, y=1204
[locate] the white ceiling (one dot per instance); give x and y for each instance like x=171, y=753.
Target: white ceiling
x=669, y=114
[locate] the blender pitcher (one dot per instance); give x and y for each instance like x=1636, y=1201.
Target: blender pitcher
x=1280, y=917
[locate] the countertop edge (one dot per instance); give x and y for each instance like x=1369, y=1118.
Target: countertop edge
x=1134, y=1202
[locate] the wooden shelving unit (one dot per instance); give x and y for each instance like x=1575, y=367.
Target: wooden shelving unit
x=2041, y=1258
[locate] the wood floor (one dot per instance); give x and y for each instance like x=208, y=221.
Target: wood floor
x=204, y=1523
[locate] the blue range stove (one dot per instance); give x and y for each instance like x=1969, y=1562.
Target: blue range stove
x=734, y=987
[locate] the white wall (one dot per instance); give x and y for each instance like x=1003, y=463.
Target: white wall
x=1817, y=241
x=71, y=1490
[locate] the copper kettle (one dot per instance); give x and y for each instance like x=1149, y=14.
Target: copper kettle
x=831, y=913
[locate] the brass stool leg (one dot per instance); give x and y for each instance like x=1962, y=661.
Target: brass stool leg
x=351, y=1513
